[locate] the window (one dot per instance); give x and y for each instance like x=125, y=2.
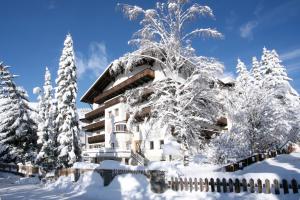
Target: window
x=110, y=114
x=113, y=145
x=121, y=127
x=161, y=142
x=151, y=145
x=117, y=112
x=137, y=128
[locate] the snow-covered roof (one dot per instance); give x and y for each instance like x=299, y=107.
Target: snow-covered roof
x=118, y=66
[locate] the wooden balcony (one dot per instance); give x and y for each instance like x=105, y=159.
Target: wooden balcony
x=94, y=126
x=134, y=81
x=98, y=112
x=96, y=139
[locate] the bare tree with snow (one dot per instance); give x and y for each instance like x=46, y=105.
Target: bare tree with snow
x=188, y=106
x=164, y=33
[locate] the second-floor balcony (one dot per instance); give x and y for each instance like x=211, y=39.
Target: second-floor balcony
x=96, y=138
x=94, y=126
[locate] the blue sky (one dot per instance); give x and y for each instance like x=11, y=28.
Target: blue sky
x=33, y=31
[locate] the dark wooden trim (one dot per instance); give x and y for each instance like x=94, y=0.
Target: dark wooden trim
x=94, y=126
x=98, y=112
x=134, y=81
x=96, y=139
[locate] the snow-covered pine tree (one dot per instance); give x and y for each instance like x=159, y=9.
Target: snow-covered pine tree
x=17, y=129
x=67, y=119
x=274, y=72
x=47, y=138
x=243, y=78
x=255, y=72
x=262, y=112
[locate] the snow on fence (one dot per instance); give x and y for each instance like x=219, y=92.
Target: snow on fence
x=253, y=159
x=233, y=185
x=22, y=170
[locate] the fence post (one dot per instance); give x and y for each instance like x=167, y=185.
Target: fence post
x=218, y=185
x=276, y=186
x=237, y=186
x=212, y=185
x=185, y=184
x=244, y=184
x=294, y=186
x=172, y=183
x=196, y=184
x=181, y=183
x=285, y=186
x=230, y=185
x=191, y=184
x=201, y=184
x=206, y=185
x=259, y=186
x=251, y=185
x=157, y=181
x=268, y=189
x=224, y=185
x=176, y=184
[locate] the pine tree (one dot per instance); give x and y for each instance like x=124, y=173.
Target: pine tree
x=274, y=72
x=67, y=120
x=17, y=129
x=243, y=78
x=47, y=137
x=255, y=72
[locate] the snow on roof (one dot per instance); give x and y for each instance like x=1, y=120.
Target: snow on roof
x=227, y=79
x=124, y=63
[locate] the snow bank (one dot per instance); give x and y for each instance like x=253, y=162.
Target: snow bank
x=285, y=166
x=62, y=184
x=106, y=164
x=28, y=180
x=85, y=165
x=8, y=178
x=128, y=186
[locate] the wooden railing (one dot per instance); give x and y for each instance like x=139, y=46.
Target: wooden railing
x=253, y=159
x=94, y=126
x=96, y=138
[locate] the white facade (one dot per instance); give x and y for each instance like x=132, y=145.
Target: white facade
x=120, y=143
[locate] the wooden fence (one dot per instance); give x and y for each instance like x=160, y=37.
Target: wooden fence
x=233, y=185
x=21, y=170
x=253, y=159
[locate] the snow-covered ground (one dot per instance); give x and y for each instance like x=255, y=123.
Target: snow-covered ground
x=127, y=186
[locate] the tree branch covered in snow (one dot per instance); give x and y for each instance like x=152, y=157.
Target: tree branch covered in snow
x=163, y=30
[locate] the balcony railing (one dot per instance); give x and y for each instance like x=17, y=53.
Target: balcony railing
x=94, y=126
x=98, y=112
x=96, y=139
